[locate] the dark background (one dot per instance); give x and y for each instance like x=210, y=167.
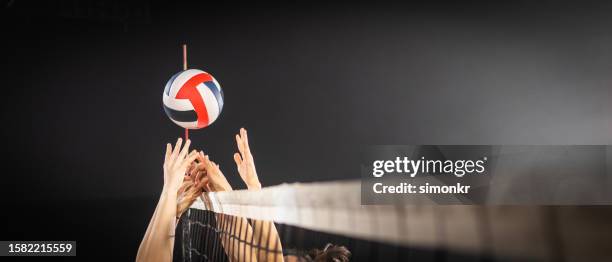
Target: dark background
x=84, y=130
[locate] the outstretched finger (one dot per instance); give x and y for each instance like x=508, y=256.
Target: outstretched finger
x=204, y=160
x=245, y=138
x=214, y=169
x=201, y=156
x=237, y=159
x=176, y=149
x=245, y=142
x=209, y=166
x=239, y=144
x=168, y=152
x=189, y=159
x=185, y=150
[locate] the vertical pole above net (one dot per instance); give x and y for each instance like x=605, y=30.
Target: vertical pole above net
x=185, y=68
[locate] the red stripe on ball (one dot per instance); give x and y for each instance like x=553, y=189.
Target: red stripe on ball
x=189, y=91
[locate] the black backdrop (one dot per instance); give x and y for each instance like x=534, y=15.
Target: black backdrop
x=84, y=131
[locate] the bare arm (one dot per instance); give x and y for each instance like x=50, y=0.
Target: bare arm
x=236, y=227
x=238, y=231
x=265, y=234
x=146, y=241
x=158, y=242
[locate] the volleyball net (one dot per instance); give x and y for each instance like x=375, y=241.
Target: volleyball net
x=326, y=221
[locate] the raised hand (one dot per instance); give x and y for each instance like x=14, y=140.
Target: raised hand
x=196, y=173
x=244, y=161
x=192, y=187
x=158, y=240
x=175, y=164
x=214, y=179
x=187, y=194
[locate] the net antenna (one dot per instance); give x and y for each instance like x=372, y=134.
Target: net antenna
x=185, y=68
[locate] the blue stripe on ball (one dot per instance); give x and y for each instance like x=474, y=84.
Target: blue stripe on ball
x=169, y=84
x=218, y=95
x=181, y=116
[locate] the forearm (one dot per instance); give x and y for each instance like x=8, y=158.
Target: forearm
x=159, y=243
x=265, y=233
x=267, y=237
x=236, y=227
x=143, y=249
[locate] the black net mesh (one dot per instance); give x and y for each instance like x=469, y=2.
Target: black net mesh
x=332, y=225
x=207, y=236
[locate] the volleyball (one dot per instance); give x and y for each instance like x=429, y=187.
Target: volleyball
x=193, y=99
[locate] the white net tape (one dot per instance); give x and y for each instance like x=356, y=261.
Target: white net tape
x=503, y=231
